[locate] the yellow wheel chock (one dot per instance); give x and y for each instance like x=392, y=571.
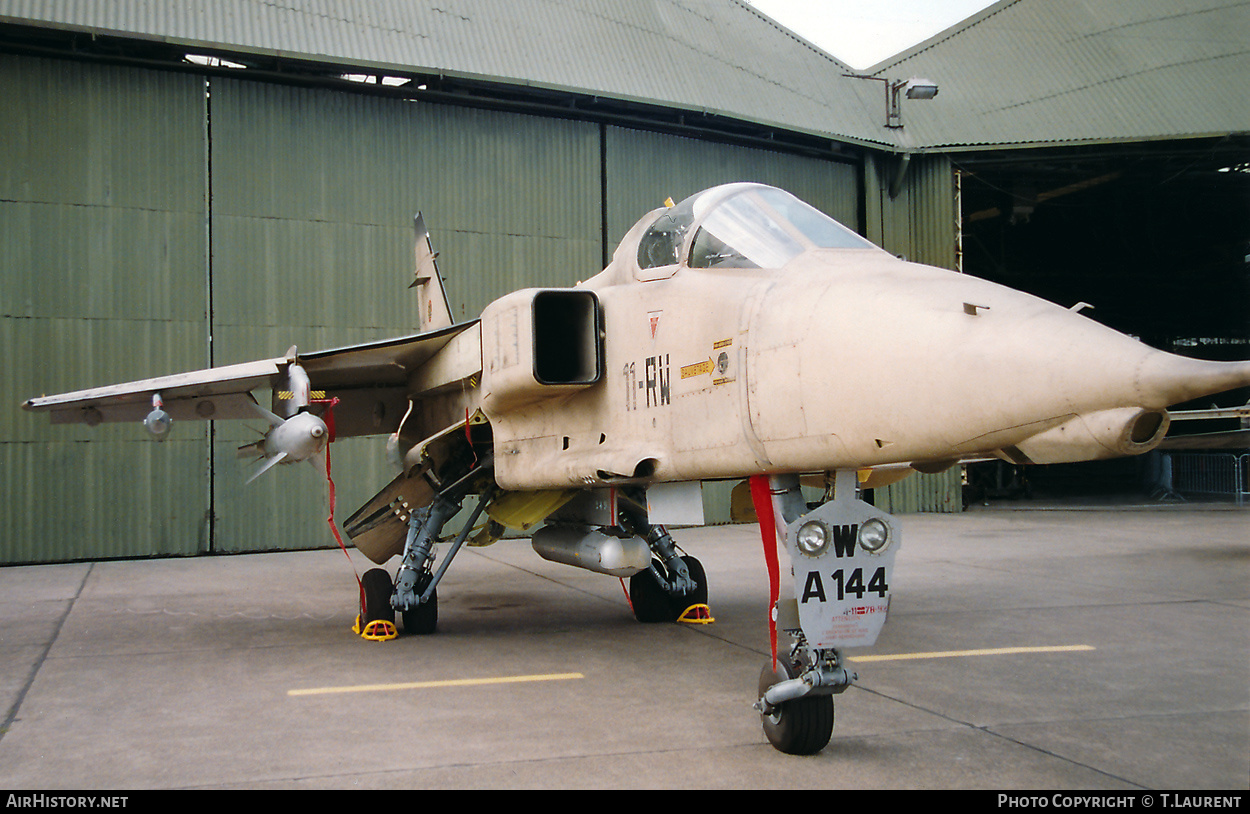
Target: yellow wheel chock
x=379, y=630
x=697, y=615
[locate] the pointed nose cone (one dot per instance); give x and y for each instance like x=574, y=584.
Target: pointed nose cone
x=864, y=363
x=1166, y=379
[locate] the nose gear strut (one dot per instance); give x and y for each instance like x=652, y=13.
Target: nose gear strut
x=416, y=583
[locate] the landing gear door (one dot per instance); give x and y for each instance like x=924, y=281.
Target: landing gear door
x=842, y=555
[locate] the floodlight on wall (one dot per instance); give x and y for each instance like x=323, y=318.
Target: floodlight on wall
x=914, y=88
x=917, y=88
x=895, y=89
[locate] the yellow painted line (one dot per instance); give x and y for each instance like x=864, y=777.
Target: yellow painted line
x=423, y=685
x=958, y=654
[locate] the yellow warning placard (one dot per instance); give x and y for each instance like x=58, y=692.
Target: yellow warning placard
x=697, y=369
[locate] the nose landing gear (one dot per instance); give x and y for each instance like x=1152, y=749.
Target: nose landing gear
x=842, y=557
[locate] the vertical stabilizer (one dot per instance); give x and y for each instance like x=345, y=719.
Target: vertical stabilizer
x=432, y=297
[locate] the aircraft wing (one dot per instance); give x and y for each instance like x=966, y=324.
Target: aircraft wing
x=1226, y=439
x=1233, y=439
x=373, y=381
x=219, y=392
x=370, y=380
x=388, y=362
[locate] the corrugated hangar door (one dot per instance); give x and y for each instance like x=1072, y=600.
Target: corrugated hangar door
x=102, y=249
x=313, y=197
x=113, y=256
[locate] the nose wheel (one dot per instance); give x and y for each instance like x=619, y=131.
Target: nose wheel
x=802, y=726
x=423, y=618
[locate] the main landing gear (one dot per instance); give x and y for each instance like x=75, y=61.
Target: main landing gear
x=414, y=593
x=653, y=597
x=376, y=593
x=842, y=558
x=673, y=587
x=674, y=583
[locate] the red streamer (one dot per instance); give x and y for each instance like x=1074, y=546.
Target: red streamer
x=329, y=419
x=761, y=496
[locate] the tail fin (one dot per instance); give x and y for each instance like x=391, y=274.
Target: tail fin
x=434, y=311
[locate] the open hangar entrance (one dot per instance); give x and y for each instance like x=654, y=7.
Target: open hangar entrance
x=1154, y=236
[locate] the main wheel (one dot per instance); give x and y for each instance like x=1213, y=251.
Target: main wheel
x=654, y=604
x=423, y=619
x=799, y=727
x=651, y=602
x=699, y=596
x=376, y=592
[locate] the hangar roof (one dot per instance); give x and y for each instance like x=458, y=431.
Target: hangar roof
x=1031, y=72
x=704, y=56
x=1020, y=73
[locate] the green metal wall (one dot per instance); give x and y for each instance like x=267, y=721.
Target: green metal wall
x=920, y=222
x=110, y=253
x=102, y=279
x=155, y=222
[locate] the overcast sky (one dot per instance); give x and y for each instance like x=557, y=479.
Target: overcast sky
x=864, y=32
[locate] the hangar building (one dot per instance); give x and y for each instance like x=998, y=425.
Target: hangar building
x=198, y=183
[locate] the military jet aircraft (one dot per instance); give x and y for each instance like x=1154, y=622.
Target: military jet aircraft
x=740, y=334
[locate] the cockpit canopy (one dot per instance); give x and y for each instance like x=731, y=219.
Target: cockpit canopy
x=741, y=226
